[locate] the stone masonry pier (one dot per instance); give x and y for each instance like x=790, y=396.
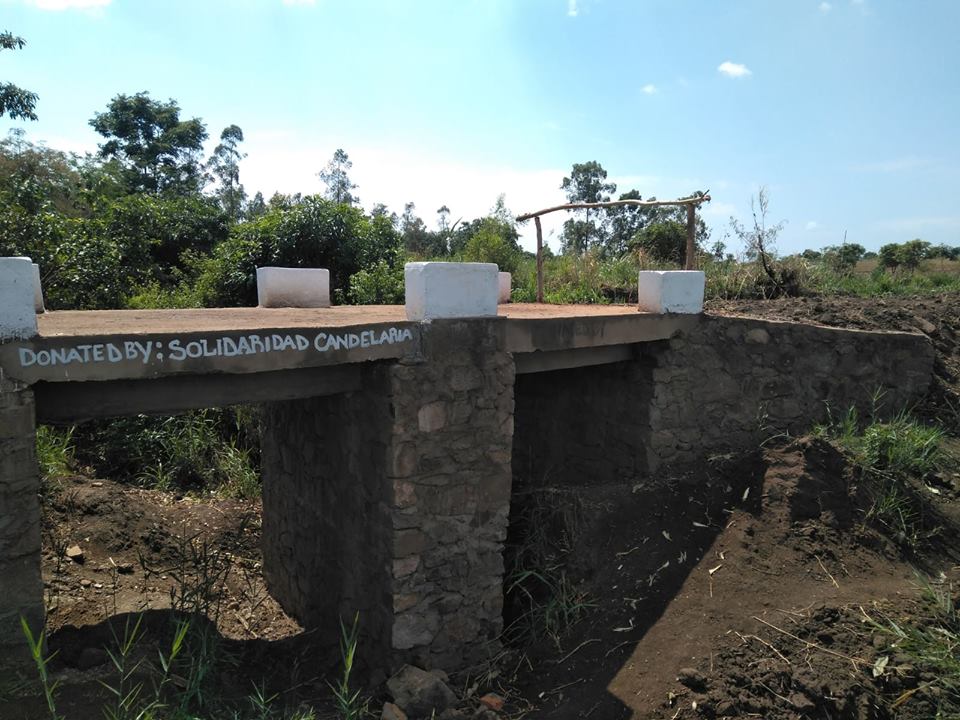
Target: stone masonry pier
x=391, y=446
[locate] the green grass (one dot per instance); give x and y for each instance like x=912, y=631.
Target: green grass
x=54, y=451
x=892, y=458
x=212, y=450
x=931, y=640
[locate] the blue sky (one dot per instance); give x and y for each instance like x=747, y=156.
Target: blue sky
x=847, y=111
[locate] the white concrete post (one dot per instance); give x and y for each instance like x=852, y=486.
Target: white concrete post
x=671, y=291
x=18, y=314
x=293, y=287
x=37, y=290
x=436, y=290
x=505, y=287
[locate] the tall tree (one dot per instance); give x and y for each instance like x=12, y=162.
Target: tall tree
x=587, y=183
x=335, y=177
x=157, y=151
x=15, y=102
x=224, y=165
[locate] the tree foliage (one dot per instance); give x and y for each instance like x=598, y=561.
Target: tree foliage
x=587, y=183
x=15, y=102
x=335, y=177
x=156, y=151
x=224, y=166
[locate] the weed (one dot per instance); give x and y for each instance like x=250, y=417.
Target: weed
x=541, y=599
x=349, y=704
x=54, y=451
x=889, y=456
x=932, y=642
x=42, y=664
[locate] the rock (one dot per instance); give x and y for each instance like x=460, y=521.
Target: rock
x=484, y=713
x=693, y=679
x=392, y=712
x=85, y=583
x=91, y=657
x=75, y=553
x=451, y=714
x=926, y=326
x=492, y=701
x=125, y=568
x=418, y=692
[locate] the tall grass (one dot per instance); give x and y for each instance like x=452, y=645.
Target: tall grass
x=204, y=450
x=891, y=457
x=54, y=451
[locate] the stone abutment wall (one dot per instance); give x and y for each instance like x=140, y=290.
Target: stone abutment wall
x=733, y=382
x=725, y=385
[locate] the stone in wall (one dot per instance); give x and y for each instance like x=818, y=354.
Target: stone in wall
x=21, y=586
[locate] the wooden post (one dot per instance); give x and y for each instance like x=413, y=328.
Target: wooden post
x=539, y=260
x=691, y=259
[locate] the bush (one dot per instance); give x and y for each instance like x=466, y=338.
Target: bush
x=200, y=450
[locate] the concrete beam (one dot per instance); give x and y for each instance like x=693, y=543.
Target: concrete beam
x=570, y=333
x=536, y=362
x=65, y=404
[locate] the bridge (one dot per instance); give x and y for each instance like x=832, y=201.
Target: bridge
x=391, y=445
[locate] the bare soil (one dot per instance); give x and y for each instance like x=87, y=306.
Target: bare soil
x=748, y=589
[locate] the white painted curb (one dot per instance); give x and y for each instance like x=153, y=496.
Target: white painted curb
x=279, y=287
x=18, y=314
x=505, y=287
x=671, y=291
x=436, y=290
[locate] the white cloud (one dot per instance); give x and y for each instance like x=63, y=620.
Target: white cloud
x=734, y=70
x=572, y=10
x=825, y=7
x=58, y=5
x=649, y=89
x=895, y=165
x=812, y=225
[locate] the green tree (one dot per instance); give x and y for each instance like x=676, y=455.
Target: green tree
x=224, y=165
x=493, y=241
x=335, y=177
x=586, y=184
x=912, y=252
x=313, y=232
x=663, y=241
x=15, y=102
x=844, y=258
x=889, y=256
x=157, y=151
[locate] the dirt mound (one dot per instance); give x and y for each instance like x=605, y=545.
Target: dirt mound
x=736, y=595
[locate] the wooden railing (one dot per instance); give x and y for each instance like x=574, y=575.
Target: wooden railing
x=691, y=203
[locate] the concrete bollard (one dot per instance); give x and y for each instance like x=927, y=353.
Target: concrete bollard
x=505, y=287
x=279, y=287
x=18, y=314
x=436, y=290
x=671, y=291
x=37, y=290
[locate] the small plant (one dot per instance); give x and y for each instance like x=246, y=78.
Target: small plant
x=932, y=641
x=349, y=704
x=54, y=451
x=889, y=456
x=42, y=664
